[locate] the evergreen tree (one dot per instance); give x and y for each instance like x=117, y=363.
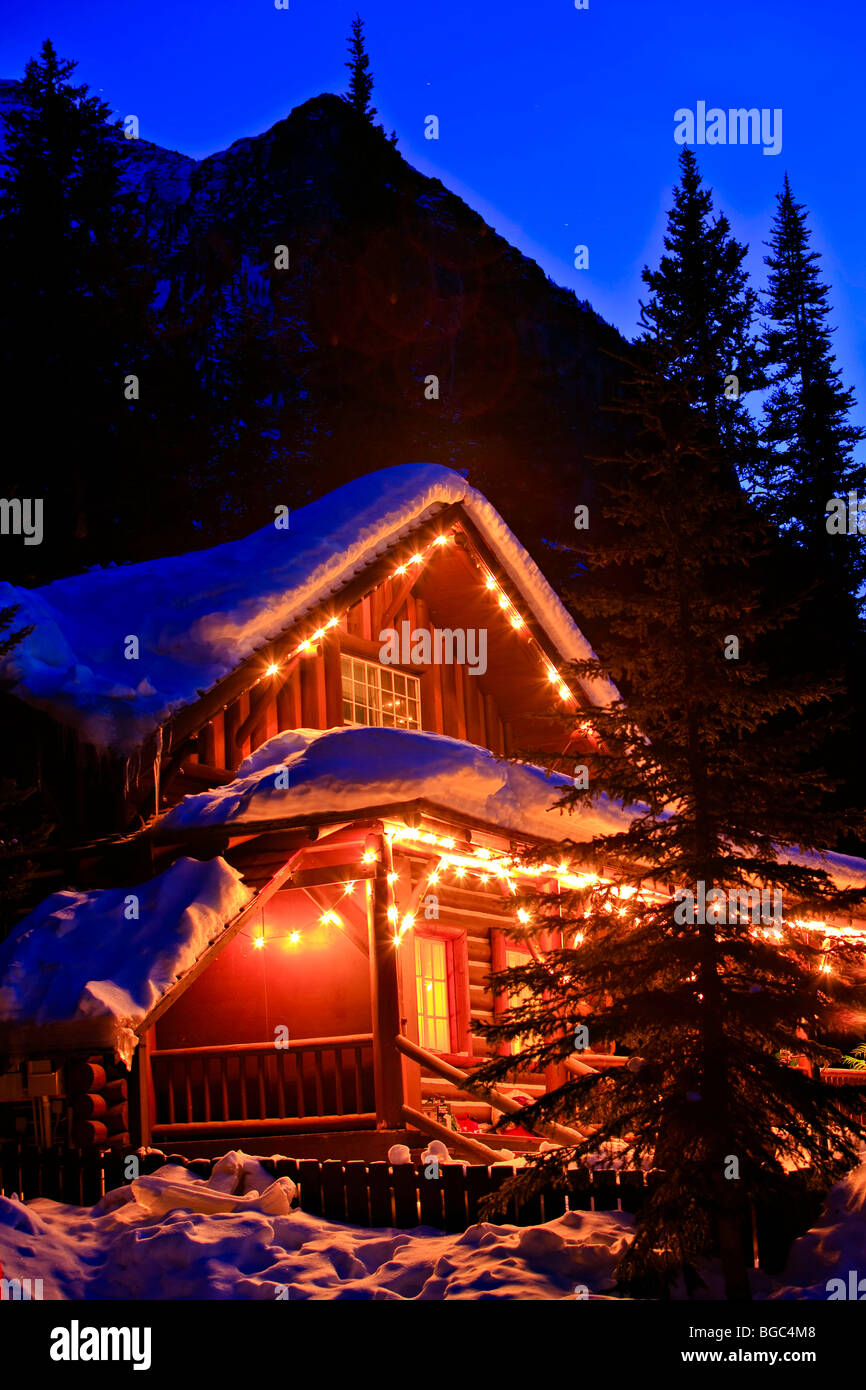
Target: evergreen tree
x=807, y=459
x=713, y=776
x=361, y=79
x=700, y=313
x=76, y=288
x=24, y=824
x=807, y=428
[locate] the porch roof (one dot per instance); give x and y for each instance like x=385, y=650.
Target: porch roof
x=305, y=772
x=85, y=968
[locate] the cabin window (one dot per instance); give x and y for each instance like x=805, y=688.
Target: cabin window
x=518, y=996
x=431, y=982
x=378, y=695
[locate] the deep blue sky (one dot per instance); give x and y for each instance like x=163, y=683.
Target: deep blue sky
x=555, y=124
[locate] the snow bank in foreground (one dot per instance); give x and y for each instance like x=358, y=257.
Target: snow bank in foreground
x=161, y=1238
x=198, y=616
x=347, y=769
x=835, y=1248
x=121, y=1250
x=113, y=952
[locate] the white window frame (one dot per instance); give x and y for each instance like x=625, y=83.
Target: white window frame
x=372, y=674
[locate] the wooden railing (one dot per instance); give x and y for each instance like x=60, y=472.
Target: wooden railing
x=310, y=1084
x=463, y=1081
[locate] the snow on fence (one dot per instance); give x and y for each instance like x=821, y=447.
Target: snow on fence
x=379, y=1194
x=354, y=1191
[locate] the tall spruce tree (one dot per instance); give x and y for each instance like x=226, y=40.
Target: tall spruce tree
x=361, y=79
x=807, y=427
x=74, y=315
x=807, y=460
x=700, y=313
x=706, y=1004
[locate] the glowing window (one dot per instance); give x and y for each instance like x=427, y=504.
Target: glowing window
x=519, y=996
x=431, y=981
x=378, y=695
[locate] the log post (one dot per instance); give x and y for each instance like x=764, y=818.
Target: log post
x=384, y=1004
x=145, y=1088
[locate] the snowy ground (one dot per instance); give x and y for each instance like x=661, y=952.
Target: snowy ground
x=244, y=1241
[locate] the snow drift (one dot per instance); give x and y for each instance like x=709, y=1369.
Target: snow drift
x=235, y=1236
x=133, y=1246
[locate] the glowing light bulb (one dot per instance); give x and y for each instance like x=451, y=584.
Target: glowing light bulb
x=350, y=888
x=553, y=676
x=490, y=582
x=295, y=937
x=516, y=620
x=392, y=877
x=523, y=915
x=401, y=569
x=318, y=634
x=415, y=559
x=393, y=914
x=368, y=857
x=305, y=646
x=396, y=939
x=272, y=669
x=330, y=917
x=441, y=540
x=503, y=601
x=408, y=921
x=459, y=871
x=258, y=942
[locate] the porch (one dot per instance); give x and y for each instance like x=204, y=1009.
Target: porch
x=315, y=1096
x=337, y=935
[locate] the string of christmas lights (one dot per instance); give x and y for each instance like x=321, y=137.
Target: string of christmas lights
x=491, y=584
x=481, y=863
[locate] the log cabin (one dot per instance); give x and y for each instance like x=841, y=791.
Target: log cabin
x=293, y=844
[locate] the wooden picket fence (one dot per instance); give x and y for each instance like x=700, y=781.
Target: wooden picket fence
x=354, y=1191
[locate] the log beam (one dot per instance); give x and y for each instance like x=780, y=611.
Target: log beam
x=384, y=1004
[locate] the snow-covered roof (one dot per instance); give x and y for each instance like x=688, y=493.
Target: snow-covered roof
x=110, y=954
x=198, y=616
x=307, y=771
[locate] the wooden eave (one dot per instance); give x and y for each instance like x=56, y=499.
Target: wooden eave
x=189, y=720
